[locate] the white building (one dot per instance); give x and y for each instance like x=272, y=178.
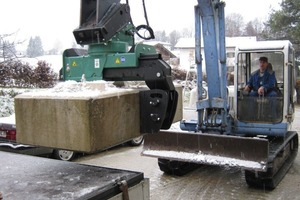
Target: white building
x=186, y=48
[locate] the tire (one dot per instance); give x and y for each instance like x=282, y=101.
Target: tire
x=136, y=141
x=65, y=155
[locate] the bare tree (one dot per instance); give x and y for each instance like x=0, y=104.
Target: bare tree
x=249, y=30
x=161, y=36
x=254, y=28
x=234, y=25
x=187, y=32
x=8, y=47
x=57, y=48
x=174, y=37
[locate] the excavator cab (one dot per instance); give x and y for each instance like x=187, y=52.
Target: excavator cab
x=273, y=112
x=260, y=109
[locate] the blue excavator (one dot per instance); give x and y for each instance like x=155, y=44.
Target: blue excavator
x=238, y=130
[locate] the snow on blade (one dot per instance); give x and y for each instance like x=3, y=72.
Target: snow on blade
x=206, y=159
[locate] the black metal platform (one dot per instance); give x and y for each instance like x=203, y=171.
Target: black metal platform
x=29, y=177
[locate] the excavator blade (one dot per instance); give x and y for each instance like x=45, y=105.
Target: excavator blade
x=248, y=153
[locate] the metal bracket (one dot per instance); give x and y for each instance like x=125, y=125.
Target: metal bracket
x=153, y=108
x=124, y=188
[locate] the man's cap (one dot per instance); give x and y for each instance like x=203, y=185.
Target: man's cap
x=265, y=59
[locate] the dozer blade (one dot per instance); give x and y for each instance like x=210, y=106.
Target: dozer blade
x=248, y=153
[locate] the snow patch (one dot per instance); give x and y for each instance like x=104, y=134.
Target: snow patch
x=8, y=120
x=73, y=89
x=6, y=106
x=206, y=159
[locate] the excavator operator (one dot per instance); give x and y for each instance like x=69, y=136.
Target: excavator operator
x=263, y=81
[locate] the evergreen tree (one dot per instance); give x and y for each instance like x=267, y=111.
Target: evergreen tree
x=35, y=47
x=284, y=24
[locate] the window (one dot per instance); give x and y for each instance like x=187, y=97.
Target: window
x=249, y=63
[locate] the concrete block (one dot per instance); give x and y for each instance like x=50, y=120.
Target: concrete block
x=85, y=121
x=86, y=124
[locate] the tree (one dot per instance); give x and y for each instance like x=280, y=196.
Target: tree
x=44, y=76
x=284, y=24
x=161, y=36
x=7, y=48
x=234, y=25
x=35, y=47
x=249, y=29
x=57, y=48
x=254, y=28
x=15, y=73
x=174, y=37
x=187, y=33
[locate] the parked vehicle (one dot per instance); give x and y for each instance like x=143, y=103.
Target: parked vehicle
x=8, y=135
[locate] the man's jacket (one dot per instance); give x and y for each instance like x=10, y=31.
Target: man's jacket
x=267, y=80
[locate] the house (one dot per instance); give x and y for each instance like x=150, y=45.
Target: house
x=164, y=49
x=186, y=48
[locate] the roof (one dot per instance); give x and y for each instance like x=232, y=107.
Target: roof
x=185, y=43
x=230, y=41
x=164, y=51
x=163, y=48
x=235, y=41
x=153, y=43
x=260, y=45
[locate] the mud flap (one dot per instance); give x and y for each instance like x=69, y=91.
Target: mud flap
x=248, y=153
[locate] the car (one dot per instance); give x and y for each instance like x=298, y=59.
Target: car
x=8, y=142
x=70, y=155
x=8, y=135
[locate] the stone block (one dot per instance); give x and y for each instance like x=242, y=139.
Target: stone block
x=84, y=121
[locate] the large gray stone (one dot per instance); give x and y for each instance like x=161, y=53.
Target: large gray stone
x=85, y=124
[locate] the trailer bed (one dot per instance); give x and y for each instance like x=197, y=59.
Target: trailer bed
x=29, y=177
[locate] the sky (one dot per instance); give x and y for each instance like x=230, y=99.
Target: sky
x=55, y=20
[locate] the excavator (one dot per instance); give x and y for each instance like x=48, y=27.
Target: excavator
x=253, y=133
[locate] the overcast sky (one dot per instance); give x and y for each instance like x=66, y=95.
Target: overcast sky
x=54, y=20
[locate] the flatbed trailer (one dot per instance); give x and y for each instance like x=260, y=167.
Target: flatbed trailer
x=30, y=177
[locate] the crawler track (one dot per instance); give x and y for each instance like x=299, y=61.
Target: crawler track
x=282, y=153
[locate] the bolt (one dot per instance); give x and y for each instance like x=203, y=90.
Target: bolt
x=68, y=68
x=158, y=74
